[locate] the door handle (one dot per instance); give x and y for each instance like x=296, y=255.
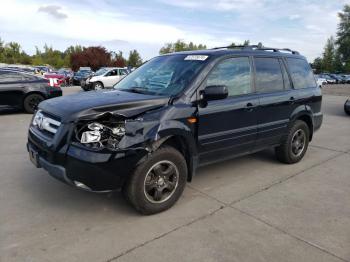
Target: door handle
x=249, y=107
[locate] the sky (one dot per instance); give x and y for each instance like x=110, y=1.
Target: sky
x=146, y=25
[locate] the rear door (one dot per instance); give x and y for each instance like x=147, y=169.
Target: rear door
x=12, y=88
x=277, y=99
x=228, y=127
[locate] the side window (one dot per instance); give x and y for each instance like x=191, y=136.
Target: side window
x=286, y=80
x=234, y=73
x=268, y=75
x=301, y=73
x=10, y=77
x=29, y=78
x=122, y=72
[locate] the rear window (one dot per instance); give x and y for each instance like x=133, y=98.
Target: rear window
x=268, y=75
x=301, y=73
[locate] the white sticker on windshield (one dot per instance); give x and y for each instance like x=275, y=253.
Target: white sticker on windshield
x=196, y=57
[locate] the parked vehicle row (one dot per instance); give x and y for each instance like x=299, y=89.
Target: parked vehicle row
x=25, y=91
x=175, y=113
x=333, y=78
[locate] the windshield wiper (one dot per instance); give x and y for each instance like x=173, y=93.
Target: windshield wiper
x=136, y=90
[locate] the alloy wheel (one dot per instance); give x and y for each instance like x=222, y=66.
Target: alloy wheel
x=161, y=181
x=298, y=142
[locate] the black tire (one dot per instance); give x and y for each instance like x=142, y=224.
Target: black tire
x=135, y=189
x=31, y=102
x=346, y=110
x=288, y=152
x=96, y=86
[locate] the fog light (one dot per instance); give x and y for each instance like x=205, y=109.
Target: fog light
x=90, y=137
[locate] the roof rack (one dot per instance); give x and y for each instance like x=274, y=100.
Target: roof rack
x=258, y=47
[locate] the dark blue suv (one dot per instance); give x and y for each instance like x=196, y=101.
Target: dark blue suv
x=175, y=113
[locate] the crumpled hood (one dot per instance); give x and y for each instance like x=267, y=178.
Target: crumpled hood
x=83, y=105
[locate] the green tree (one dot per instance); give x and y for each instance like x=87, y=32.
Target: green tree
x=12, y=53
x=1, y=50
x=317, y=65
x=245, y=43
x=329, y=55
x=134, y=59
x=343, y=36
x=118, y=59
x=179, y=46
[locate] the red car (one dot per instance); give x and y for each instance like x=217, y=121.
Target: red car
x=57, y=79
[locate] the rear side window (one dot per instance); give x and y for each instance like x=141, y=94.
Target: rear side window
x=268, y=75
x=287, y=84
x=301, y=73
x=233, y=73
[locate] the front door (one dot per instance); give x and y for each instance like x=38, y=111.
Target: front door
x=111, y=78
x=228, y=127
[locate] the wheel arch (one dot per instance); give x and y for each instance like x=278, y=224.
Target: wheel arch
x=32, y=93
x=185, y=144
x=305, y=115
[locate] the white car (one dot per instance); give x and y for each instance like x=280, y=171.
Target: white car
x=321, y=81
x=106, y=78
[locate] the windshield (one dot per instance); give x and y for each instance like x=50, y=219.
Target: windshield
x=164, y=75
x=101, y=71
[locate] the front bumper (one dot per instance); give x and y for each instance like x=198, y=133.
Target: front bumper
x=54, y=92
x=88, y=170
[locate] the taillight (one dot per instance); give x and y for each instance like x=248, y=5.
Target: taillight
x=53, y=82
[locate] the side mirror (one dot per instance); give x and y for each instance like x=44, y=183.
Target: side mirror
x=214, y=93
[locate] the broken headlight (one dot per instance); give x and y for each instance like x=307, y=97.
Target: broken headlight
x=98, y=135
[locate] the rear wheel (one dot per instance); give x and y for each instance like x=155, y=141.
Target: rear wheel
x=347, y=110
x=158, y=182
x=294, y=144
x=31, y=102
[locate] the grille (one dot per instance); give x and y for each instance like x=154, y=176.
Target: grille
x=46, y=124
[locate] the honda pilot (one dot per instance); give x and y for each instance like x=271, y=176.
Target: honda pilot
x=149, y=134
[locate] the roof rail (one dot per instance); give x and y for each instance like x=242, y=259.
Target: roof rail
x=258, y=47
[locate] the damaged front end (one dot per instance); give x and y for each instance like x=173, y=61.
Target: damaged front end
x=99, y=149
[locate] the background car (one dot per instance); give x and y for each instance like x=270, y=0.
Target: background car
x=338, y=78
x=106, y=78
x=68, y=75
x=320, y=81
x=20, y=90
x=43, y=69
x=81, y=75
x=329, y=79
x=59, y=78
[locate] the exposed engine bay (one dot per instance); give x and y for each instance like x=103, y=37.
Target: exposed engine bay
x=100, y=134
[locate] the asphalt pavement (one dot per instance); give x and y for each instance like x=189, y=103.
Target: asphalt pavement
x=252, y=208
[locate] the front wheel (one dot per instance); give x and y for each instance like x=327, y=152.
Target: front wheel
x=158, y=182
x=294, y=144
x=97, y=86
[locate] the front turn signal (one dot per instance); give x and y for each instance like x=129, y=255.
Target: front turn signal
x=192, y=120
